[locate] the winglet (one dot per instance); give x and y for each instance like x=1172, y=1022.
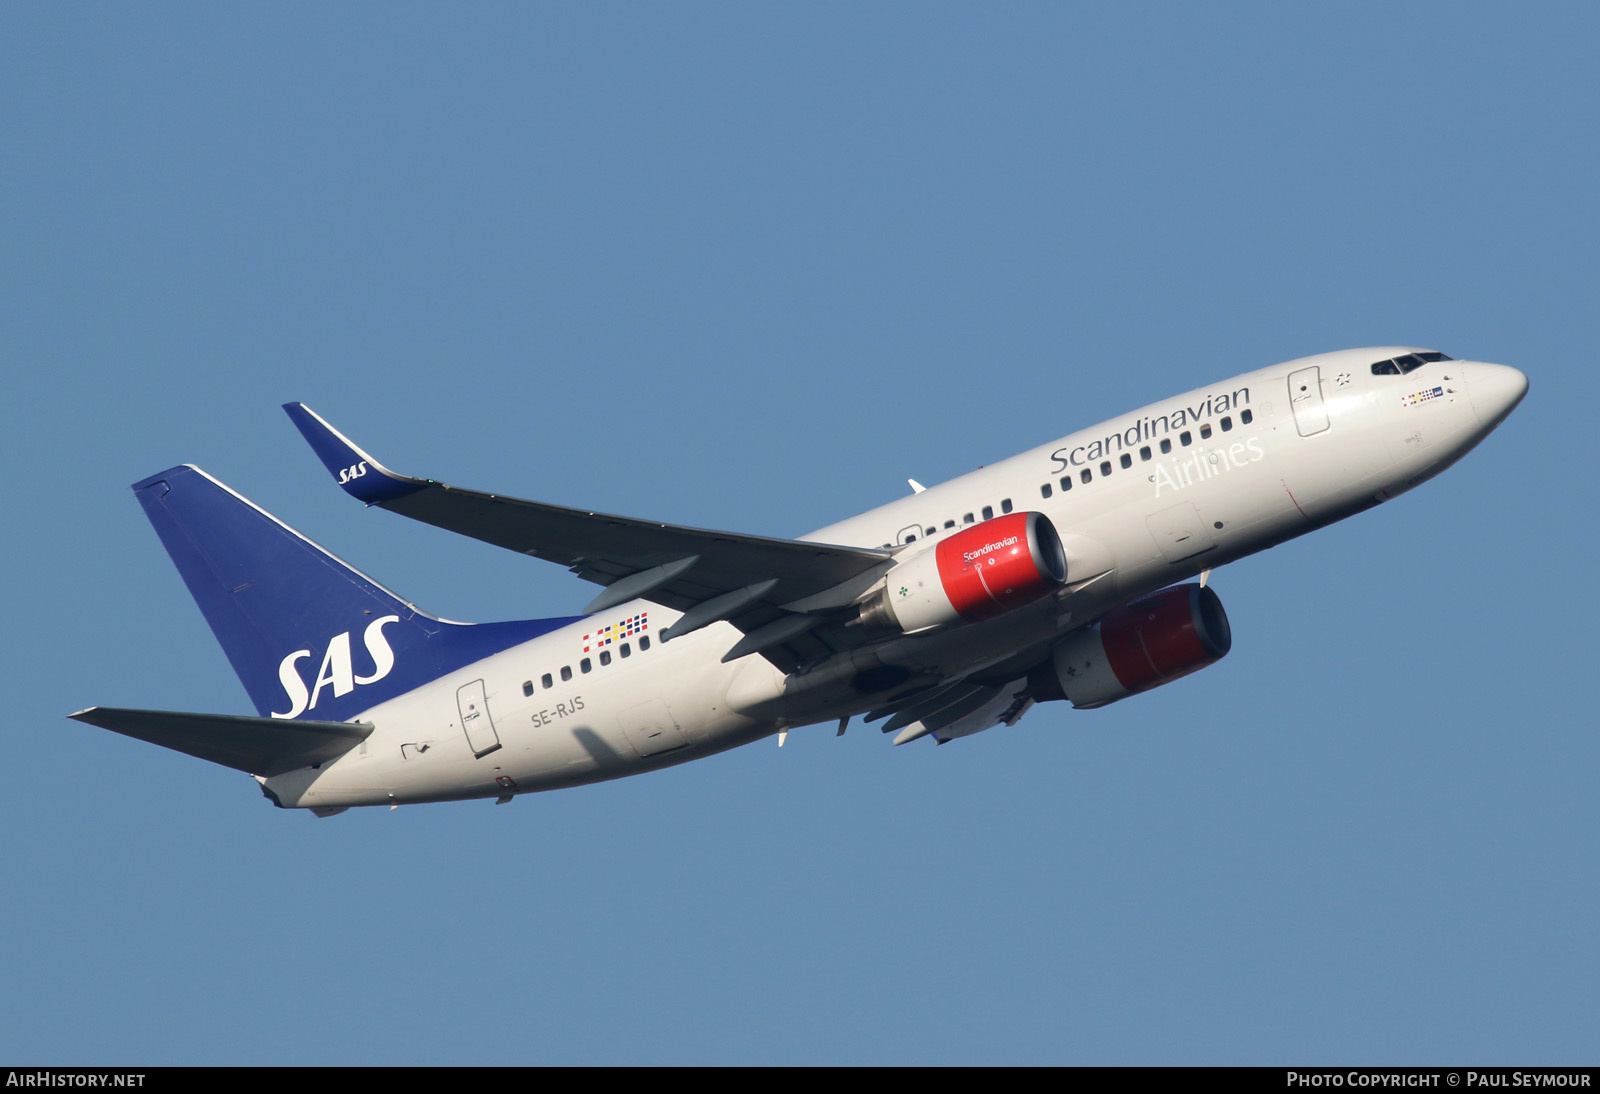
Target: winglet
x=361, y=476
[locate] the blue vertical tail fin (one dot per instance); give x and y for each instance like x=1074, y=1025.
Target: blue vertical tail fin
x=307, y=633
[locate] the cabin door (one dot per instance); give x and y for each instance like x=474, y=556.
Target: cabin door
x=475, y=720
x=1305, y=395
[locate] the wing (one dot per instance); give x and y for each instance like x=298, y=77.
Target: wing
x=784, y=594
x=956, y=709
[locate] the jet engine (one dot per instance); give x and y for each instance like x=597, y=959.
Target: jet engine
x=977, y=573
x=1141, y=645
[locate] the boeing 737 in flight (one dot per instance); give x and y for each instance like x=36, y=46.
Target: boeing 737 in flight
x=1054, y=575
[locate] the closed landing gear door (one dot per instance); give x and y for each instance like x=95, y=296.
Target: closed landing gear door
x=651, y=728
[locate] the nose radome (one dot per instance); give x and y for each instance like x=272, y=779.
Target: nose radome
x=1495, y=390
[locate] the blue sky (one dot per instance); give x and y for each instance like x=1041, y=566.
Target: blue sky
x=752, y=266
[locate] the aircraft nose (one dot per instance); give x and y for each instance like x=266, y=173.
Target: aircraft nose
x=1495, y=390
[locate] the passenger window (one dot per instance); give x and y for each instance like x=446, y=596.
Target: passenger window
x=546, y=681
x=527, y=687
x=1105, y=468
x=1126, y=461
x=1227, y=424
x=1205, y=432
x=1144, y=453
x=566, y=673
x=1066, y=482
x=1084, y=476
x=1246, y=417
x=1166, y=445
x=584, y=665
x=624, y=650
x=644, y=643
x=1185, y=439
x=932, y=531
x=988, y=512
x=966, y=518
x=1045, y=491
x=605, y=657
x=1005, y=505
x=949, y=524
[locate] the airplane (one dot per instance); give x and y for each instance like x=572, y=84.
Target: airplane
x=1060, y=574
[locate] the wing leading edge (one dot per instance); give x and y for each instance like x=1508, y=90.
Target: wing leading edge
x=780, y=592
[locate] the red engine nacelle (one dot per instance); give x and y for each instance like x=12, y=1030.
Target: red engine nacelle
x=977, y=573
x=1141, y=645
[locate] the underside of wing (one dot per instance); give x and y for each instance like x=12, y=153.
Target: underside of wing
x=785, y=595
x=957, y=709
x=256, y=746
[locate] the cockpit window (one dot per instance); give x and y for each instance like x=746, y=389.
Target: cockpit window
x=1399, y=366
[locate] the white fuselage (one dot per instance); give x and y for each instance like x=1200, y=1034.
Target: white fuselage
x=1141, y=501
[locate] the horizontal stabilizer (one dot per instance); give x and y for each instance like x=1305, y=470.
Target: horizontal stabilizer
x=256, y=746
